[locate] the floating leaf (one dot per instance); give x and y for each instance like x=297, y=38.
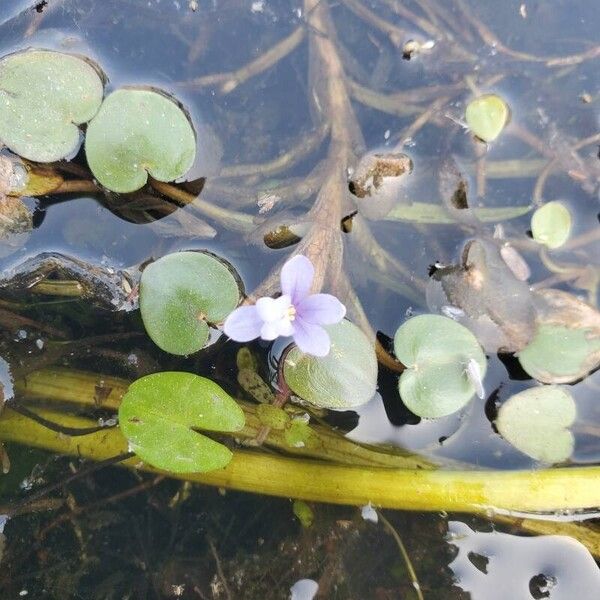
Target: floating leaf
x=551, y=224
x=135, y=133
x=44, y=96
x=346, y=377
x=536, y=422
x=566, y=344
x=487, y=116
x=436, y=352
x=181, y=293
x=160, y=413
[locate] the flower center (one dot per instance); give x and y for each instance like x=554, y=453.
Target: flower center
x=291, y=312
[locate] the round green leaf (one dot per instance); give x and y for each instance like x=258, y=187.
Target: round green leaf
x=181, y=293
x=436, y=352
x=160, y=413
x=536, y=422
x=551, y=224
x=487, y=116
x=345, y=378
x=559, y=354
x=44, y=96
x=135, y=133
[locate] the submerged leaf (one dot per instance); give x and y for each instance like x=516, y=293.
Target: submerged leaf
x=138, y=132
x=346, y=377
x=181, y=293
x=44, y=96
x=160, y=413
x=566, y=345
x=487, y=116
x=436, y=214
x=437, y=351
x=498, y=307
x=536, y=422
x=551, y=224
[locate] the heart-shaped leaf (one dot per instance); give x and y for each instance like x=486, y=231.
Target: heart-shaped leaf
x=139, y=132
x=566, y=344
x=551, y=224
x=345, y=378
x=44, y=96
x=536, y=422
x=487, y=116
x=181, y=293
x=160, y=413
x=444, y=365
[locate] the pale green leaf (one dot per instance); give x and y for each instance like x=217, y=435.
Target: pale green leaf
x=536, y=422
x=139, y=132
x=346, y=377
x=551, y=224
x=181, y=294
x=160, y=413
x=44, y=96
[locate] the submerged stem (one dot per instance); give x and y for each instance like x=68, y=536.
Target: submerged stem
x=408, y=489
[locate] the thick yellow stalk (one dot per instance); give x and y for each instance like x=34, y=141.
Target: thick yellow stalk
x=463, y=491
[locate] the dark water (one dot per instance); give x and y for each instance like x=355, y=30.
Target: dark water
x=237, y=545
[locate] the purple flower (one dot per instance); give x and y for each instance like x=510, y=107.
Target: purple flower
x=296, y=312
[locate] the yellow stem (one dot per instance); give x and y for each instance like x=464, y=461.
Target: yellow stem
x=462, y=491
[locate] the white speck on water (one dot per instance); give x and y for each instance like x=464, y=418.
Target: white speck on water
x=368, y=513
x=304, y=589
x=258, y=6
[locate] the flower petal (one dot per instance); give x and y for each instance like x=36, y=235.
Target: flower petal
x=269, y=331
x=296, y=278
x=321, y=309
x=243, y=324
x=274, y=329
x=273, y=309
x=310, y=338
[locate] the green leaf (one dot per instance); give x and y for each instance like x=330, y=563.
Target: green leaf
x=436, y=352
x=44, y=96
x=559, y=354
x=181, y=293
x=487, y=116
x=536, y=422
x=160, y=413
x=345, y=378
x=551, y=224
x=139, y=132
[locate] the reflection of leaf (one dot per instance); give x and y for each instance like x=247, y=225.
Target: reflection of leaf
x=135, y=133
x=44, y=96
x=436, y=351
x=160, y=413
x=181, y=293
x=536, y=422
x=551, y=224
x=346, y=377
x=486, y=116
x=566, y=345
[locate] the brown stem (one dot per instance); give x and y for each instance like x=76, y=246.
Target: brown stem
x=227, y=82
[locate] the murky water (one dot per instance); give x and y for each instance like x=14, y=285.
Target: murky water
x=161, y=539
